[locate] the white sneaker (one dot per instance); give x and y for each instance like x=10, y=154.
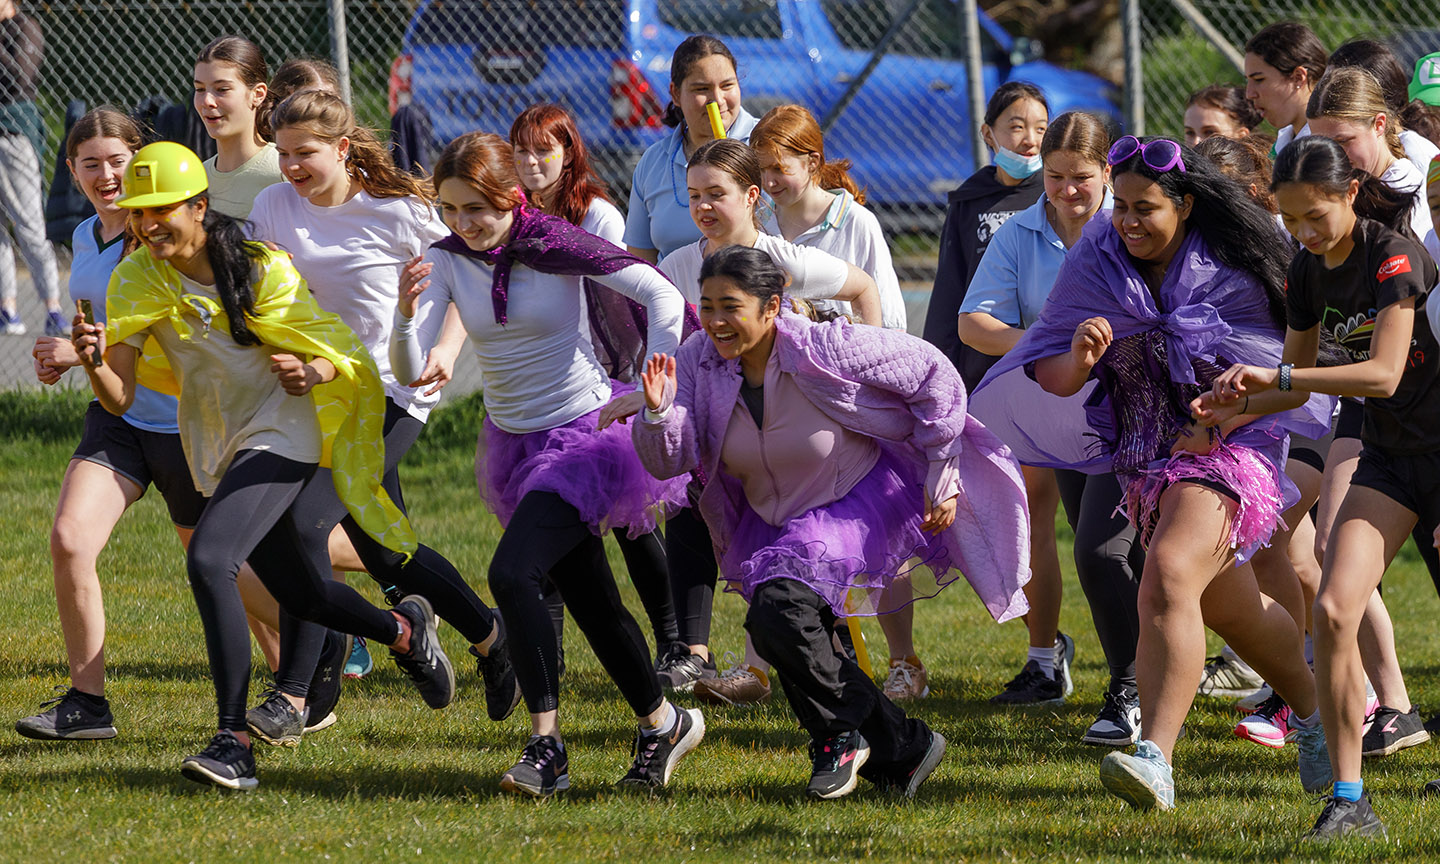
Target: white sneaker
x=1228, y=675
x=906, y=682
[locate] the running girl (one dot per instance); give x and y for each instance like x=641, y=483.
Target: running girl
x=1361, y=277
x=233, y=100
x=554, y=480
x=231, y=317
x=816, y=460
x=1283, y=63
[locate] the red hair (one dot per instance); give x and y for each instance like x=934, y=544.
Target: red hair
x=540, y=126
x=486, y=162
x=792, y=129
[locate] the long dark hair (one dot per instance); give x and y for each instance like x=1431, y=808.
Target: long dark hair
x=1376, y=58
x=1320, y=162
x=540, y=125
x=1237, y=230
x=1246, y=161
x=249, y=64
x=687, y=54
x=1290, y=45
x=233, y=258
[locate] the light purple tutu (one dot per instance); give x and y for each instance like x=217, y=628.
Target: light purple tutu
x=595, y=471
x=865, y=541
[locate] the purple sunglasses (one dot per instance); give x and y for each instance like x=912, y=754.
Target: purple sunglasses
x=1162, y=154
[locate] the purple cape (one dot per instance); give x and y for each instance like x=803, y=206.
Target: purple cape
x=1215, y=311
x=549, y=244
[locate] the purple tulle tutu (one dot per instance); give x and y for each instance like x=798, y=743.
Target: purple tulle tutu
x=1249, y=477
x=596, y=471
x=863, y=541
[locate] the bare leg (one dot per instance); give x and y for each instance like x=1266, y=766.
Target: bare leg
x=899, y=626
x=1301, y=548
x=1263, y=633
x=1044, y=590
x=1368, y=531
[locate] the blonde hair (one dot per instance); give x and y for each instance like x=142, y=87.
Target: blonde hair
x=329, y=119
x=1354, y=95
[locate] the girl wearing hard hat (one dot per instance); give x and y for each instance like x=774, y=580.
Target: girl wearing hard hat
x=232, y=321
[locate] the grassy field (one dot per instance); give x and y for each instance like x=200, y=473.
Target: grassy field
x=396, y=781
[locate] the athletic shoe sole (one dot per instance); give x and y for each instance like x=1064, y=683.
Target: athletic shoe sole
x=1119, y=780
x=1096, y=739
x=200, y=774
x=282, y=741
x=509, y=784
x=1243, y=732
x=99, y=733
x=927, y=765
x=325, y=723
x=1411, y=740
x=861, y=757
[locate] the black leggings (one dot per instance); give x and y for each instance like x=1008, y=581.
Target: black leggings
x=255, y=516
x=1109, y=561
x=428, y=574
x=692, y=574
x=547, y=536
x=645, y=559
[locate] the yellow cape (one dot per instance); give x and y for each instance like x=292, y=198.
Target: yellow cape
x=351, y=408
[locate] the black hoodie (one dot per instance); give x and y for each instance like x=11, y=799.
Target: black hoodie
x=975, y=212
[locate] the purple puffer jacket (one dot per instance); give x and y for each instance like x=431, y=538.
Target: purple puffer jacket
x=892, y=387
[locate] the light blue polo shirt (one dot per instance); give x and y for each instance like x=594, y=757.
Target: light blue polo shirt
x=89, y=280
x=1020, y=265
x=659, y=214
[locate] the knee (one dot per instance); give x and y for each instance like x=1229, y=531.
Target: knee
x=72, y=540
x=1336, y=617
x=510, y=576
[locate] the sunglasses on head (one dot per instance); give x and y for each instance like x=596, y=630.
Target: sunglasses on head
x=1161, y=154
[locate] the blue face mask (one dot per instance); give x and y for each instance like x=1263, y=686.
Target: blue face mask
x=1015, y=165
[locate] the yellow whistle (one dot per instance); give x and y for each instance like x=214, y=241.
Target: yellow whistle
x=717, y=129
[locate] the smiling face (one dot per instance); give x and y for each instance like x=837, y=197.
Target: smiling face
x=224, y=102
x=709, y=79
x=1203, y=121
x=734, y=319
x=1320, y=221
x=1279, y=97
x=1364, y=143
x=470, y=214
x=720, y=207
x=1148, y=222
x=1074, y=185
x=98, y=167
x=539, y=164
x=171, y=232
x=787, y=175
x=316, y=168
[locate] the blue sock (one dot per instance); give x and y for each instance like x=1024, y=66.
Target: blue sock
x=1349, y=791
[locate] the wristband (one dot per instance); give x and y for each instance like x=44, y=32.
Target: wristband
x=1284, y=384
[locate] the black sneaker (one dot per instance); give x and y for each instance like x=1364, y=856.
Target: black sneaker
x=907, y=783
x=329, y=676
x=426, y=664
x=679, y=669
x=1118, y=724
x=393, y=594
x=835, y=765
x=1031, y=687
x=1431, y=789
x=543, y=769
x=657, y=755
x=275, y=720
x=70, y=716
x=502, y=692
x=1392, y=732
x=1342, y=818
x=224, y=762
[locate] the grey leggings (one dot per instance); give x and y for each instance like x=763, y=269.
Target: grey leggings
x=1109, y=561
x=253, y=517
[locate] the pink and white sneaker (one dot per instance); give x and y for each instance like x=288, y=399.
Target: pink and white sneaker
x=1269, y=725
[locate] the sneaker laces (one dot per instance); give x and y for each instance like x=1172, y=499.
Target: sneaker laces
x=676, y=660
x=825, y=754
x=61, y=691
x=644, y=752
x=538, y=752
x=1029, y=676
x=738, y=669
x=901, y=678
x=222, y=746
x=1270, y=709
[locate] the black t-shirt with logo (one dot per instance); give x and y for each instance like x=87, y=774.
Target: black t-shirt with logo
x=1384, y=268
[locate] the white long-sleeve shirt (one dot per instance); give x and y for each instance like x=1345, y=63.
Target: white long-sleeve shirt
x=539, y=368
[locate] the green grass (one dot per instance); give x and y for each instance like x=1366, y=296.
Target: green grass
x=396, y=781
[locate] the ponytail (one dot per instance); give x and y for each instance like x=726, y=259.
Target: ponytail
x=329, y=119
x=793, y=129
x=233, y=258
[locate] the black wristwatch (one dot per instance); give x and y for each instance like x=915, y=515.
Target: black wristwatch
x=1285, y=368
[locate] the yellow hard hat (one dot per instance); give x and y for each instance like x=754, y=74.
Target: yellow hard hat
x=162, y=174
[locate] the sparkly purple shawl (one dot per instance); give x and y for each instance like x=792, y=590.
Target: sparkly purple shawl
x=549, y=244
x=1217, y=314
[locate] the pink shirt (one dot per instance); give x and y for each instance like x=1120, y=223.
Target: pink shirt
x=801, y=459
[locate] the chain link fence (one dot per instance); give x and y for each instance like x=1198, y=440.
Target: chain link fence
x=887, y=78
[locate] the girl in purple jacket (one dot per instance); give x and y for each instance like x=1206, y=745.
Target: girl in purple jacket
x=811, y=441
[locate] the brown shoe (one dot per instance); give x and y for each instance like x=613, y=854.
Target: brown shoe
x=741, y=684
x=907, y=681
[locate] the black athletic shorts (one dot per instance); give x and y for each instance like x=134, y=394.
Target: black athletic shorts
x=1352, y=417
x=143, y=458
x=1412, y=481
x=1311, y=451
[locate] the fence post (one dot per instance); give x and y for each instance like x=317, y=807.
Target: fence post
x=1134, y=82
x=974, y=74
x=340, y=46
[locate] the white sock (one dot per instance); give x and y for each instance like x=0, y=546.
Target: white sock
x=666, y=723
x=1307, y=723
x=1045, y=657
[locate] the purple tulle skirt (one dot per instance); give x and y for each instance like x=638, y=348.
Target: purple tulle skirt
x=849, y=550
x=1249, y=477
x=595, y=471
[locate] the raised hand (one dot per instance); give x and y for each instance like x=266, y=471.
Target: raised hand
x=1092, y=338
x=658, y=382
x=413, y=283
